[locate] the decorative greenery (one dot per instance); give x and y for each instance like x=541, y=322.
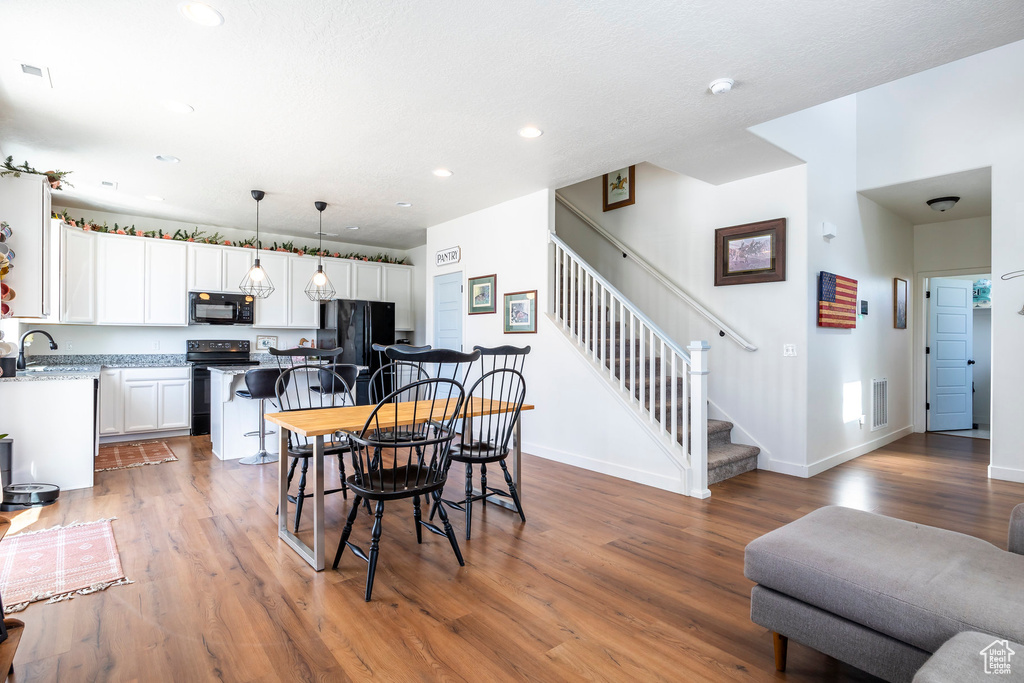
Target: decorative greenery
x=200, y=237
x=55, y=178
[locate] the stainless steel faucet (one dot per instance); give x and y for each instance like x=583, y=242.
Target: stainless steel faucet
x=21, y=346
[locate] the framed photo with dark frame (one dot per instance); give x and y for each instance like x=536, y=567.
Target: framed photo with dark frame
x=521, y=312
x=619, y=188
x=483, y=294
x=749, y=253
x=899, y=303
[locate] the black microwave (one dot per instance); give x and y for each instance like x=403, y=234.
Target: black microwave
x=211, y=308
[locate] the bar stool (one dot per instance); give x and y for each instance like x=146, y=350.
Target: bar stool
x=261, y=385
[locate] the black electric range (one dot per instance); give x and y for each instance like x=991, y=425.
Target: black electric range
x=203, y=354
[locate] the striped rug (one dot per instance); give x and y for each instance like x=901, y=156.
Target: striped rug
x=117, y=456
x=58, y=564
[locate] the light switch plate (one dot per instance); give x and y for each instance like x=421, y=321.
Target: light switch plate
x=789, y=349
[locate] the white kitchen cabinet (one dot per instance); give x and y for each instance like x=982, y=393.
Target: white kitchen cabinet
x=165, y=283
x=236, y=262
x=77, y=276
x=175, y=406
x=205, y=268
x=340, y=273
x=111, y=405
x=135, y=400
x=301, y=311
x=120, y=271
x=25, y=204
x=214, y=268
x=141, y=406
x=273, y=310
x=398, y=288
x=367, y=281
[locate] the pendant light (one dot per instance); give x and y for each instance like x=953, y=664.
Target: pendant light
x=320, y=287
x=256, y=282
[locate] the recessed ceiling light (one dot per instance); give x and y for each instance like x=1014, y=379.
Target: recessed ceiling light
x=352, y=227
x=442, y=173
x=167, y=158
x=201, y=13
x=721, y=85
x=178, y=107
x=325, y=234
x=530, y=132
x=154, y=198
x=404, y=205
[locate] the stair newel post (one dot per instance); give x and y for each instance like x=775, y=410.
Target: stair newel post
x=699, y=418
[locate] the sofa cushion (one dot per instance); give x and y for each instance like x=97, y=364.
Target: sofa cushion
x=971, y=657
x=916, y=583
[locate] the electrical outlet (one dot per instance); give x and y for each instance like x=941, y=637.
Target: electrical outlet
x=789, y=349
x=156, y=346
x=70, y=346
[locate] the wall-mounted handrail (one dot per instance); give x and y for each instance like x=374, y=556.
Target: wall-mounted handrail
x=658, y=275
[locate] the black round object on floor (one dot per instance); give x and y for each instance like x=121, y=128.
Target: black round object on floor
x=23, y=496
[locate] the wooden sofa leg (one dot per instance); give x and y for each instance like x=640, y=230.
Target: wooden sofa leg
x=781, y=644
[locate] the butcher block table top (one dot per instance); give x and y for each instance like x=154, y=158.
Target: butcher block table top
x=324, y=421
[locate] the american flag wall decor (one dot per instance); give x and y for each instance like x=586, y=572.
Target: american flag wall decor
x=837, y=301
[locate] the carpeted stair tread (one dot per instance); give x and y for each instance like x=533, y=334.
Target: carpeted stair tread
x=724, y=454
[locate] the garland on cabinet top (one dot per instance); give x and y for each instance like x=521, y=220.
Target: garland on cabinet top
x=55, y=178
x=200, y=237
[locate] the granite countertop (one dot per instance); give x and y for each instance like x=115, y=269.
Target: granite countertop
x=232, y=369
x=116, y=360
x=52, y=373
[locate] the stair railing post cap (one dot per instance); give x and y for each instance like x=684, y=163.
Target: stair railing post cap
x=698, y=345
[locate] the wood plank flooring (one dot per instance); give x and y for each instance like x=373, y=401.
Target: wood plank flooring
x=607, y=580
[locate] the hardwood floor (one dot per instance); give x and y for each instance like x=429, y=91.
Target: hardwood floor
x=607, y=580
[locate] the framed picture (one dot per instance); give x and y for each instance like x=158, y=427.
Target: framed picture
x=482, y=294
x=619, y=188
x=265, y=341
x=521, y=312
x=899, y=303
x=754, y=252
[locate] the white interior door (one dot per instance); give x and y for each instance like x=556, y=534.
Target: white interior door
x=951, y=345
x=448, y=318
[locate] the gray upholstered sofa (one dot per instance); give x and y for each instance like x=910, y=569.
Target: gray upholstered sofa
x=880, y=593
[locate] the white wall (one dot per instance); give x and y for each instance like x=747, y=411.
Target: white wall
x=873, y=246
x=418, y=256
x=953, y=245
x=672, y=226
x=957, y=117
x=578, y=419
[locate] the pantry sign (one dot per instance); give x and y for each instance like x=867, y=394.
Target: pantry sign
x=446, y=257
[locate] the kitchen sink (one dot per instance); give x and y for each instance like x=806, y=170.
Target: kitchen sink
x=59, y=368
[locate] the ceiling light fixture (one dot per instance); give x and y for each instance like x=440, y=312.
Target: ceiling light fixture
x=178, y=107
x=942, y=203
x=320, y=287
x=352, y=227
x=721, y=85
x=153, y=198
x=167, y=158
x=256, y=282
x=201, y=13
x=404, y=205
x=530, y=132
x=443, y=173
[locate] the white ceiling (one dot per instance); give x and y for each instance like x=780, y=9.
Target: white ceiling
x=354, y=103
x=910, y=200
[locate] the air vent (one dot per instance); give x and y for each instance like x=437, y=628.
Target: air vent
x=879, y=403
x=32, y=70
x=326, y=234
x=40, y=72
x=109, y=184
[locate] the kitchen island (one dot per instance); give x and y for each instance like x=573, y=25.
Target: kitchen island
x=231, y=417
x=51, y=416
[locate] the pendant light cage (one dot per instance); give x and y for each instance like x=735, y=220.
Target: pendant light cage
x=319, y=287
x=256, y=282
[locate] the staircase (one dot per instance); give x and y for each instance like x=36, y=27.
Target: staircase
x=655, y=376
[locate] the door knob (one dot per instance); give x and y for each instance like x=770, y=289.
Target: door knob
x=970, y=362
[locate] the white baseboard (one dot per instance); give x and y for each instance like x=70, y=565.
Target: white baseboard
x=657, y=480
x=831, y=461
x=1006, y=474
x=143, y=436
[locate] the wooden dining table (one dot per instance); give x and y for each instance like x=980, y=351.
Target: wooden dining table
x=324, y=422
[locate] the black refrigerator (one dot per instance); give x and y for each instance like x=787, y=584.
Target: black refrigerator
x=355, y=326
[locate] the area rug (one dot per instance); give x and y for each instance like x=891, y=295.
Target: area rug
x=118, y=456
x=58, y=564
